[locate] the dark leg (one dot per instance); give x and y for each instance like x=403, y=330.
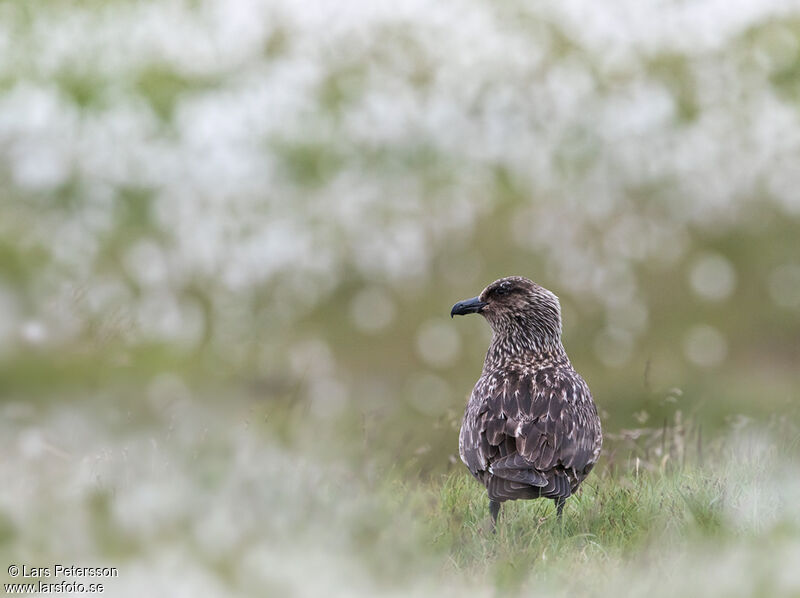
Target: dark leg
x=494, y=509
x=559, y=506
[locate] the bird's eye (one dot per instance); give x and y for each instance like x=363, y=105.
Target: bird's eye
x=501, y=291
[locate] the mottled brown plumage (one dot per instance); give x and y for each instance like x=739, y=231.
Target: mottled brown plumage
x=531, y=427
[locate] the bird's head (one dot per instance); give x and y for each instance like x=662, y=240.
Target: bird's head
x=518, y=306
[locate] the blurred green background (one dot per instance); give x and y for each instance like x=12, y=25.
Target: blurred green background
x=265, y=210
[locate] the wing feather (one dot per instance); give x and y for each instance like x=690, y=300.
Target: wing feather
x=536, y=432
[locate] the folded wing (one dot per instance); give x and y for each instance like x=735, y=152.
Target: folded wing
x=531, y=434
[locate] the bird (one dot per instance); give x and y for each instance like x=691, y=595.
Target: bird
x=531, y=427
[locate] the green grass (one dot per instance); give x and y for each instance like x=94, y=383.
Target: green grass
x=609, y=520
x=627, y=529
x=613, y=510
x=206, y=476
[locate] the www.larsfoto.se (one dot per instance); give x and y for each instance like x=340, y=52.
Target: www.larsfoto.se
x=50, y=587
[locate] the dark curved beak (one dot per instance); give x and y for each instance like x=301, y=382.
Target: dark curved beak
x=468, y=306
